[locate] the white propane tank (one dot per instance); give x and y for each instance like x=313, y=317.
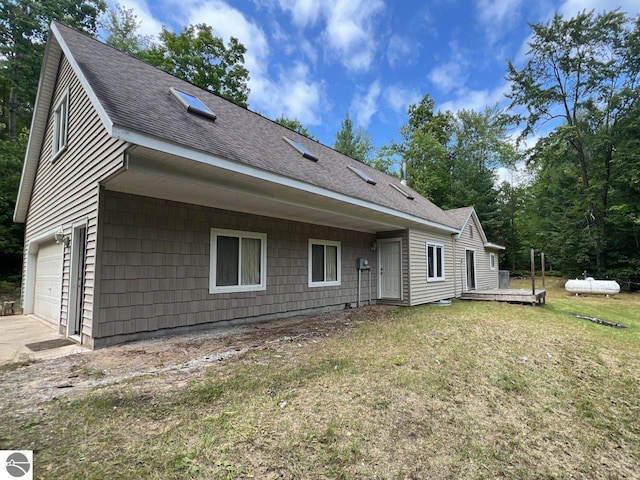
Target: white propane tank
x=593, y=287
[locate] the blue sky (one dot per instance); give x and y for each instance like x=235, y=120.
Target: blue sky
x=316, y=60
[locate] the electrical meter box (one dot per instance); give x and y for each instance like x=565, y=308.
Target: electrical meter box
x=363, y=264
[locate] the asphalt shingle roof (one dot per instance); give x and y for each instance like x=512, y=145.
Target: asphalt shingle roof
x=136, y=96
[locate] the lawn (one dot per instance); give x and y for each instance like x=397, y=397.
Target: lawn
x=474, y=390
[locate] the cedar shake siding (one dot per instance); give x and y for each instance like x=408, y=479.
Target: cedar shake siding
x=66, y=190
x=155, y=267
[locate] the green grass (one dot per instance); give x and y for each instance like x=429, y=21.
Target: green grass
x=475, y=390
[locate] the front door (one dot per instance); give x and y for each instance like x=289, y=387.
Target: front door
x=390, y=275
x=471, y=270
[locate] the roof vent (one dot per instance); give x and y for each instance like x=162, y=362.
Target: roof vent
x=362, y=175
x=301, y=148
x=193, y=104
x=406, y=194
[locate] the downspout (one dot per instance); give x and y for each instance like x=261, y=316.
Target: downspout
x=455, y=281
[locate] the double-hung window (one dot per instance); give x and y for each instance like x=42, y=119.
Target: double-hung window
x=324, y=263
x=60, y=125
x=492, y=261
x=435, y=262
x=238, y=261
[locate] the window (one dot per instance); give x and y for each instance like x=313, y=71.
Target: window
x=238, y=261
x=492, y=261
x=406, y=194
x=324, y=263
x=471, y=231
x=306, y=153
x=362, y=175
x=435, y=262
x=60, y=125
x=193, y=104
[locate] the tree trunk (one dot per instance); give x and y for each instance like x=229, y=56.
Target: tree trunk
x=13, y=114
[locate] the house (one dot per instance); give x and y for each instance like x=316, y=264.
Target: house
x=152, y=205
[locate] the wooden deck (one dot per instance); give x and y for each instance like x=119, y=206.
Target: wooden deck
x=507, y=295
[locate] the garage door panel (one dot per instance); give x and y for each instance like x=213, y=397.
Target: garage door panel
x=48, y=285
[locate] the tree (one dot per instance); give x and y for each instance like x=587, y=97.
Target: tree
x=199, y=57
x=478, y=145
x=295, y=125
x=23, y=28
x=356, y=144
x=582, y=79
x=423, y=150
x=121, y=25
x=11, y=234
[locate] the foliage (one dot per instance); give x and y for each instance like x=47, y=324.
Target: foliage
x=450, y=158
x=581, y=78
x=23, y=30
x=295, y=125
x=11, y=234
x=356, y=144
x=198, y=56
x=121, y=25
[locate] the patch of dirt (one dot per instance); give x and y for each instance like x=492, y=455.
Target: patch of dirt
x=175, y=359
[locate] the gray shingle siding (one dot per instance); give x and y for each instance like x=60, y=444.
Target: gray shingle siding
x=154, y=266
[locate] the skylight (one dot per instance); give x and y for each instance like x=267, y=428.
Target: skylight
x=362, y=175
x=301, y=148
x=406, y=194
x=193, y=104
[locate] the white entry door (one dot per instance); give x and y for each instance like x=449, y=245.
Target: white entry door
x=390, y=274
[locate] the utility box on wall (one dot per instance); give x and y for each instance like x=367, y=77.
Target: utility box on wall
x=363, y=264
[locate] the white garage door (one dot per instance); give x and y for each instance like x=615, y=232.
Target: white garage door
x=48, y=289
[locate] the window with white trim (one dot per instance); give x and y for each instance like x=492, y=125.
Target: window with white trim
x=492, y=261
x=238, y=261
x=60, y=125
x=435, y=262
x=324, y=263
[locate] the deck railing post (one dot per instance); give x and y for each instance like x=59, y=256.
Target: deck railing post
x=543, y=269
x=533, y=272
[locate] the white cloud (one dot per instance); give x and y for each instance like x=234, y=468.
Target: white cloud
x=301, y=99
x=304, y=12
x=494, y=13
x=453, y=74
x=148, y=24
x=570, y=7
x=348, y=30
x=302, y=96
x=497, y=16
x=448, y=77
x=400, y=49
x=399, y=98
x=226, y=22
x=366, y=106
x=476, y=99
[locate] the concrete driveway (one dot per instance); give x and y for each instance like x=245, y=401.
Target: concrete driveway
x=17, y=331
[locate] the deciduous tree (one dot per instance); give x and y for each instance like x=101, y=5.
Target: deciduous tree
x=198, y=56
x=580, y=79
